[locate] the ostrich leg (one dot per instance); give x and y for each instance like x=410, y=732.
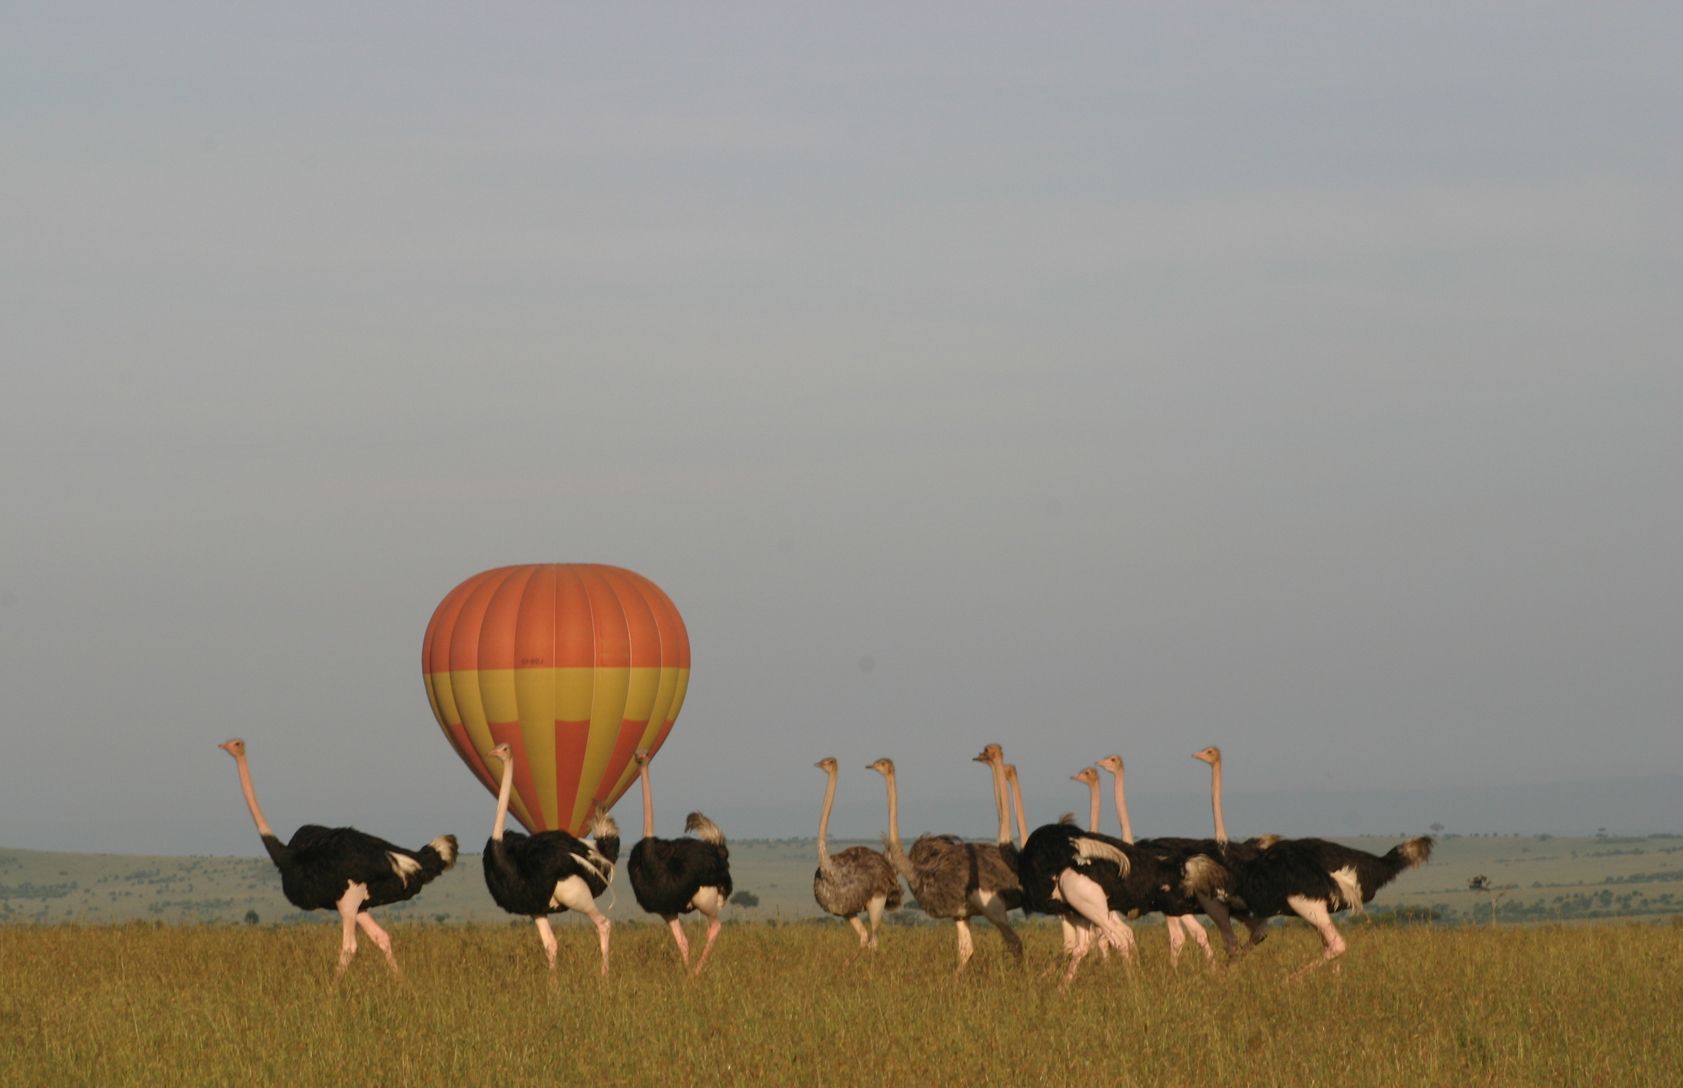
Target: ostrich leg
x=348, y=905
x=994, y=911
x=575, y=896
x=678, y=936
x=546, y=934
x=1195, y=929
x=966, y=944
x=865, y=936
x=875, y=908
x=1176, y=939
x=1316, y=914
x=707, y=902
x=381, y=940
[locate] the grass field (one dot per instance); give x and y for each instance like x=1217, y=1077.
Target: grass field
x=795, y=1004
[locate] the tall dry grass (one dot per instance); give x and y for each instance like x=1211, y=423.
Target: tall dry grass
x=797, y=1005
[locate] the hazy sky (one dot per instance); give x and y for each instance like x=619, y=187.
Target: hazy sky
x=1088, y=379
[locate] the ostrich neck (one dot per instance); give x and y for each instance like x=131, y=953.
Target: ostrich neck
x=1215, y=801
x=503, y=795
x=999, y=801
x=1093, y=806
x=1122, y=809
x=1017, y=807
x=648, y=802
x=824, y=821
x=263, y=828
x=893, y=810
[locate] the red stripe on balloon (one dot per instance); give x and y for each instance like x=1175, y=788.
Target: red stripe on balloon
x=570, y=741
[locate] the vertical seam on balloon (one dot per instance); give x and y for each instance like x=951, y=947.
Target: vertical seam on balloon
x=595, y=677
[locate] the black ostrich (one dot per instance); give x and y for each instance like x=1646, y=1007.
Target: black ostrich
x=536, y=875
x=1079, y=876
x=345, y=869
x=1312, y=878
x=1165, y=873
x=671, y=877
x=856, y=880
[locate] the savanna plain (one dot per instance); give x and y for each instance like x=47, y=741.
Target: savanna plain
x=191, y=999
x=798, y=1004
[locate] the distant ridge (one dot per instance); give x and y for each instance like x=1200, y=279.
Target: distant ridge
x=1623, y=806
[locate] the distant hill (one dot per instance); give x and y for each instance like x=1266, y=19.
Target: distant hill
x=1535, y=877
x=1620, y=806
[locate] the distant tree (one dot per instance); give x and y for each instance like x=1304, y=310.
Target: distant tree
x=1481, y=883
x=745, y=899
x=1436, y=827
x=251, y=918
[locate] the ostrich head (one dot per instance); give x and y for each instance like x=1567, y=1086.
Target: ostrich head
x=883, y=766
x=234, y=747
x=993, y=753
x=1113, y=764
x=828, y=764
x=1087, y=775
x=503, y=752
x=1210, y=755
x=640, y=757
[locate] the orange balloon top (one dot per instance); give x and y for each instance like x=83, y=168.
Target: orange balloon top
x=548, y=615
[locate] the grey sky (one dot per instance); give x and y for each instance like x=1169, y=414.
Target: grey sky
x=1086, y=380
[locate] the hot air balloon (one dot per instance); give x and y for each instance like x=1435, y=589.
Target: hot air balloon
x=575, y=665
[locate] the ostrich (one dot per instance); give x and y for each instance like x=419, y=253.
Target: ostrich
x=1076, y=875
x=953, y=879
x=551, y=870
x=1312, y=878
x=675, y=876
x=1167, y=891
x=345, y=869
x=857, y=879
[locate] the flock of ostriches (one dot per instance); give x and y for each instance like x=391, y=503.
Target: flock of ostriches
x=1091, y=881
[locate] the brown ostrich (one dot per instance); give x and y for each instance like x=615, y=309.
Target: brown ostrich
x=951, y=878
x=857, y=879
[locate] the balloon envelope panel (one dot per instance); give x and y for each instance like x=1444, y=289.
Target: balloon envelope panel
x=574, y=665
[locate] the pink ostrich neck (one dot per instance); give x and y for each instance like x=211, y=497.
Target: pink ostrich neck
x=505, y=792
x=648, y=801
x=251, y=797
x=1122, y=807
x=1093, y=804
x=824, y=820
x=1215, y=800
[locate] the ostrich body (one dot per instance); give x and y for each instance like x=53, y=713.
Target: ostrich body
x=537, y=875
x=1173, y=898
x=857, y=879
x=1074, y=874
x=1312, y=878
x=344, y=869
x=953, y=879
x=672, y=877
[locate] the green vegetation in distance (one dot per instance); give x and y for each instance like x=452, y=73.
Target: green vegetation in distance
x=1534, y=879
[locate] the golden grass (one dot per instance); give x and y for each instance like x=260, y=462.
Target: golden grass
x=796, y=1005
